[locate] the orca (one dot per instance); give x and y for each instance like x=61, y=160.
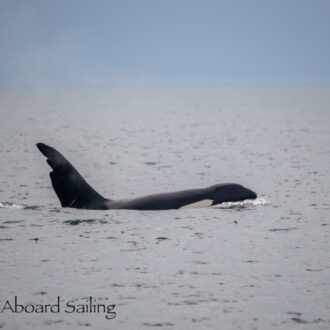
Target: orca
x=73, y=191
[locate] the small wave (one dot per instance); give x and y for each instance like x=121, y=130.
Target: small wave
x=9, y=205
x=243, y=204
x=76, y=222
x=79, y=221
x=31, y=207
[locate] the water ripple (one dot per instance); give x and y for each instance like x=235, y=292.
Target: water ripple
x=243, y=204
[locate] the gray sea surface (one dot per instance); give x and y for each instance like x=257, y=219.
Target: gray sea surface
x=262, y=264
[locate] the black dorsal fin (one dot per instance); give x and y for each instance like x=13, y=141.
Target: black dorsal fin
x=70, y=187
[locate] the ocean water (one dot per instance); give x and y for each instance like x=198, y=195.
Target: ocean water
x=259, y=264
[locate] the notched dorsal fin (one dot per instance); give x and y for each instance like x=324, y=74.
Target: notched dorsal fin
x=70, y=187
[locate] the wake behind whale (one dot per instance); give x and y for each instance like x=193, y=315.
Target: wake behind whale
x=73, y=191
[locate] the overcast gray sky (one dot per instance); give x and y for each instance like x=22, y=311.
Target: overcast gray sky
x=85, y=42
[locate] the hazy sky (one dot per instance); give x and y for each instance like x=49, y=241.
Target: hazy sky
x=85, y=42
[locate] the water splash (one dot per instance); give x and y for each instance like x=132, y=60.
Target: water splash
x=9, y=205
x=243, y=204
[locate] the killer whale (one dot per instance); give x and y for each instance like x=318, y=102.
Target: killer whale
x=73, y=191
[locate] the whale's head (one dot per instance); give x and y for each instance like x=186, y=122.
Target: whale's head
x=233, y=192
